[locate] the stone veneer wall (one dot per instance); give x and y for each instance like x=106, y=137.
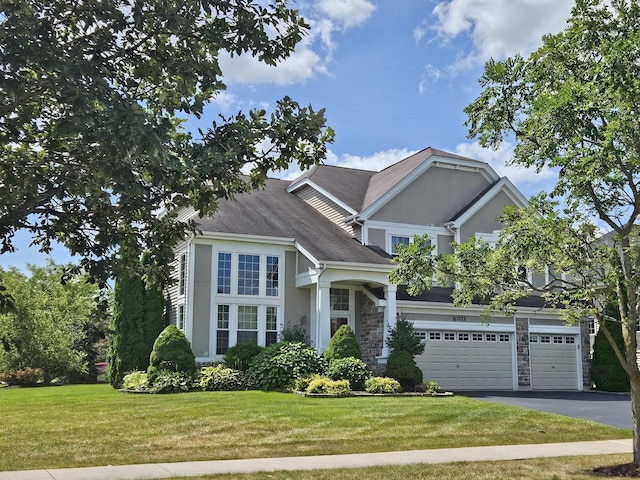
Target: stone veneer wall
x=369, y=328
x=522, y=348
x=585, y=347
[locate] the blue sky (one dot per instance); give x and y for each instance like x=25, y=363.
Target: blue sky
x=393, y=75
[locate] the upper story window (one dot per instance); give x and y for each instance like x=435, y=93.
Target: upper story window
x=339, y=299
x=272, y=276
x=182, y=274
x=241, y=274
x=224, y=273
x=248, y=274
x=398, y=240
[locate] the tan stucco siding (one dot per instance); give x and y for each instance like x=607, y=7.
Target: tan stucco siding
x=433, y=198
x=325, y=206
x=297, y=300
x=377, y=237
x=485, y=220
x=201, y=300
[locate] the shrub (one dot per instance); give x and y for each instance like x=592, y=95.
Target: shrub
x=167, y=381
x=172, y=353
x=402, y=367
x=136, y=380
x=343, y=344
x=26, y=376
x=294, y=334
x=352, y=369
x=382, y=385
x=302, y=383
x=403, y=337
x=325, y=385
x=428, y=387
x=280, y=364
x=221, y=378
x=606, y=372
x=239, y=357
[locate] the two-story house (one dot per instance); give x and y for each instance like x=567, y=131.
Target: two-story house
x=316, y=252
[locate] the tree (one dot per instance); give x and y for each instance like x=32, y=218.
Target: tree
x=606, y=371
x=92, y=105
x=172, y=353
x=572, y=106
x=46, y=327
x=403, y=337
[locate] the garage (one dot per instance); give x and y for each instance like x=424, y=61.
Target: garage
x=554, y=361
x=467, y=360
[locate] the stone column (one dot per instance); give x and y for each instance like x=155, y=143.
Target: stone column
x=522, y=349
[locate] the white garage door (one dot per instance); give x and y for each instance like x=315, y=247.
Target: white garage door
x=554, y=362
x=467, y=360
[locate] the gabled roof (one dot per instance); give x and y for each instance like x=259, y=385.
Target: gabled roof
x=274, y=212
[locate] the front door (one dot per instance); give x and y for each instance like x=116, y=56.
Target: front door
x=337, y=322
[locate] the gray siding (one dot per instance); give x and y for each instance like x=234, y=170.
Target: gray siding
x=171, y=296
x=201, y=300
x=444, y=244
x=377, y=238
x=297, y=300
x=326, y=207
x=485, y=220
x=433, y=198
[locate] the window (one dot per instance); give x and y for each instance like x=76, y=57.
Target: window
x=463, y=336
x=180, y=317
x=491, y=337
x=398, y=240
x=224, y=273
x=558, y=339
x=222, y=332
x=545, y=339
x=247, y=323
x=570, y=340
x=182, y=275
x=476, y=337
x=505, y=337
x=533, y=339
x=435, y=336
x=422, y=335
x=449, y=336
x=271, y=328
x=272, y=276
x=339, y=299
x=248, y=274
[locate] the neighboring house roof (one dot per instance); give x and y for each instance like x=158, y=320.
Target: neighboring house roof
x=274, y=212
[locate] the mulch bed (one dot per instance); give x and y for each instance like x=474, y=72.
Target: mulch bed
x=627, y=470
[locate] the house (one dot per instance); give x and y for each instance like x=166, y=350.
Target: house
x=316, y=253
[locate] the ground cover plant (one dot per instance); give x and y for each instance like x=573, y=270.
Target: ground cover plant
x=83, y=425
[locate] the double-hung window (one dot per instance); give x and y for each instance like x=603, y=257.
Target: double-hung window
x=398, y=240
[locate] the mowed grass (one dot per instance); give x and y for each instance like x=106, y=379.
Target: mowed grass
x=85, y=425
x=562, y=468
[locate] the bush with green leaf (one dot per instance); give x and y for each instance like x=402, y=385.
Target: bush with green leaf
x=343, y=344
x=240, y=356
x=382, y=385
x=294, y=334
x=171, y=353
x=350, y=368
x=26, y=376
x=302, y=383
x=136, y=381
x=167, y=381
x=428, y=387
x=402, y=367
x=280, y=364
x=221, y=378
x=324, y=385
x=403, y=337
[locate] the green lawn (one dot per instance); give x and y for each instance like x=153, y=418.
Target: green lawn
x=83, y=425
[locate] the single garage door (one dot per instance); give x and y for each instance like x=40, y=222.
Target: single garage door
x=467, y=360
x=554, y=362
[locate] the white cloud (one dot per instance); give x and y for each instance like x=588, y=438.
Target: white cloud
x=528, y=181
x=348, y=13
x=496, y=28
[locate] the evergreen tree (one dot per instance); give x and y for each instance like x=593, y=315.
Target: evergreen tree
x=606, y=371
x=402, y=337
x=343, y=344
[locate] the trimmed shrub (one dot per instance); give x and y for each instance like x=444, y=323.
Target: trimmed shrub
x=343, y=344
x=280, y=364
x=402, y=367
x=428, y=387
x=382, y=385
x=240, y=356
x=136, y=380
x=221, y=378
x=294, y=334
x=352, y=369
x=26, y=376
x=606, y=372
x=403, y=337
x=325, y=385
x=171, y=353
x=302, y=383
x=172, y=382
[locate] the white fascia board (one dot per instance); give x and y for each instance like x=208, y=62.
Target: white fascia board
x=241, y=237
x=333, y=198
x=504, y=185
x=307, y=254
x=416, y=306
x=560, y=329
x=408, y=228
x=361, y=267
x=464, y=326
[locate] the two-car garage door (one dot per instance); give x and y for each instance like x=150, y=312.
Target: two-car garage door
x=473, y=360
x=468, y=360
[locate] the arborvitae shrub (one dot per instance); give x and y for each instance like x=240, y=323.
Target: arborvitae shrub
x=343, y=344
x=171, y=353
x=402, y=367
x=240, y=356
x=403, y=337
x=606, y=372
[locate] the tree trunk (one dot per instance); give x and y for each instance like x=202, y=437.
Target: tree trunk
x=635, y=409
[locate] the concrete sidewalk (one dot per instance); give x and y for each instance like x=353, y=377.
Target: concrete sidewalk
x=445, y=455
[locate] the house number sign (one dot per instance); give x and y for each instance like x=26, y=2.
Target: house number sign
x=459, y=318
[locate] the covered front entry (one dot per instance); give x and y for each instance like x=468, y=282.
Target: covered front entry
x=468, y=360
x=554, y=361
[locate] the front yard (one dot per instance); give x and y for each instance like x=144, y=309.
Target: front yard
x=83, y=425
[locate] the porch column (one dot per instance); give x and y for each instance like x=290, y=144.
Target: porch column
x=390, y=314
x=323, y=315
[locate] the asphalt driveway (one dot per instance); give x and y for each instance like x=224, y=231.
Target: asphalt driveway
x=609, y=408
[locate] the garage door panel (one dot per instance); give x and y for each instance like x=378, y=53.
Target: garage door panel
x=554, y=365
